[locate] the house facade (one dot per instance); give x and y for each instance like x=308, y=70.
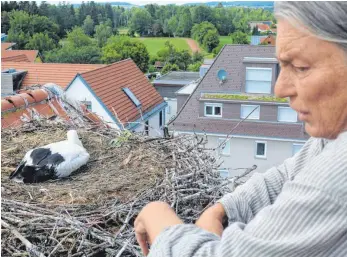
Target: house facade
x=169, y=84
x=122, y=96
x=234, y=105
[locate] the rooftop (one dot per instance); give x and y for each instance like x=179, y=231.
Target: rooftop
x=8, y=55
x=108, y=83
x=177, y=78
x=7, y=45
x=263, y=26
x=187, y=90
x=41, y=73
x=40, y=103
x=15, y=58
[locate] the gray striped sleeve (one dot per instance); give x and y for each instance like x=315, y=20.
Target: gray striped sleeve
x=298, y=209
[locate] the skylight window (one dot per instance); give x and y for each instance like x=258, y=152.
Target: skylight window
x=132, y=97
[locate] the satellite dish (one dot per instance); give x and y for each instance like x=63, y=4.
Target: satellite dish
x=222, y=75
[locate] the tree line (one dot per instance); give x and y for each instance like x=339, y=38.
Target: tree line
x=89, y=33
x=152, y=20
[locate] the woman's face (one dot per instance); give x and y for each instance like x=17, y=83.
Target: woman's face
x=314, y=77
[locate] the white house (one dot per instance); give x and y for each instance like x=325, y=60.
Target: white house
x=122, y=96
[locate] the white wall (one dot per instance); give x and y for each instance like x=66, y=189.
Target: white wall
x=78, y=91
x=172, y=105
x=242, y=153
x=154, y=129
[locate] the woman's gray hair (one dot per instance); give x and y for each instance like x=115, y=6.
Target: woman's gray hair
x=326, y=20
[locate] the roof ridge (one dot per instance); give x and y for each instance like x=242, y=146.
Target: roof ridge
x=108, y=65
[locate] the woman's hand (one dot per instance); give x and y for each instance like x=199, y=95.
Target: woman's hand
x=153, y=219
x=212, y=219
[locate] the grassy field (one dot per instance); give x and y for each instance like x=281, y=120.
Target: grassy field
x=223, y=40
x=154, y=44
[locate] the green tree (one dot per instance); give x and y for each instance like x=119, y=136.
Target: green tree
x=217, y=50
x=200, y=30
x=71, y=54
x=211, y=40
x=42, y=42
x=88, y=25
x=121, y=47
x=172, y=26
x=197, y=57
x=78, y=38
x=201, y=14
x=194, y=66
x=78, y=48
x=184, y=24
x=23, y=26
x=169, y=67
x=102, y=33
x=44, y=9
x=239, y=37
x=5, y=22
x=141, y=22
x=169, y=54
x=151, y=68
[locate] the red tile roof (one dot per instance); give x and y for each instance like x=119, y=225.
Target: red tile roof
x=270, y=39
x=263, y=26
x=30, y=54
x=15, y=58
x=7, y=45
x=41, y=73
x=107, y=83
x=23, y=107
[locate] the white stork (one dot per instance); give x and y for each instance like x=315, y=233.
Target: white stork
x=56, y=160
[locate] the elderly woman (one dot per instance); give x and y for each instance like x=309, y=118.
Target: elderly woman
x=300, y=207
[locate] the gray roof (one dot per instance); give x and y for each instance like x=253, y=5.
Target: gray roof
x=208, y=61
x=177, y=78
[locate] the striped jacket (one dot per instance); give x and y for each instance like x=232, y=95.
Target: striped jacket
x=294, y=210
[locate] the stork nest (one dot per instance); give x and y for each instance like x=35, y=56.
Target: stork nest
x=120, y=165
x=92, y=212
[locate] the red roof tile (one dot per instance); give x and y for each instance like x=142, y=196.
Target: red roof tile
x=263, y=26
x=15, y=110
x=41, y=73
x=16, y=58
x=31, y=55
x=7, y=45
x=107, y=83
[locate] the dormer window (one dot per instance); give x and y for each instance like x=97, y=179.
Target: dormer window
x=258, y=80
x=213, y=110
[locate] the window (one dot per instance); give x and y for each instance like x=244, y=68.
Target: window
x=247, y=109
x=160, y=119
x=297, y=148
x=132, y=97
x=224, y=173
x=88, y=104
x=213, y=110
x=258, y=80
x=286, y=114
x=224, y=149
x=260, y=149
x=147, y=128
